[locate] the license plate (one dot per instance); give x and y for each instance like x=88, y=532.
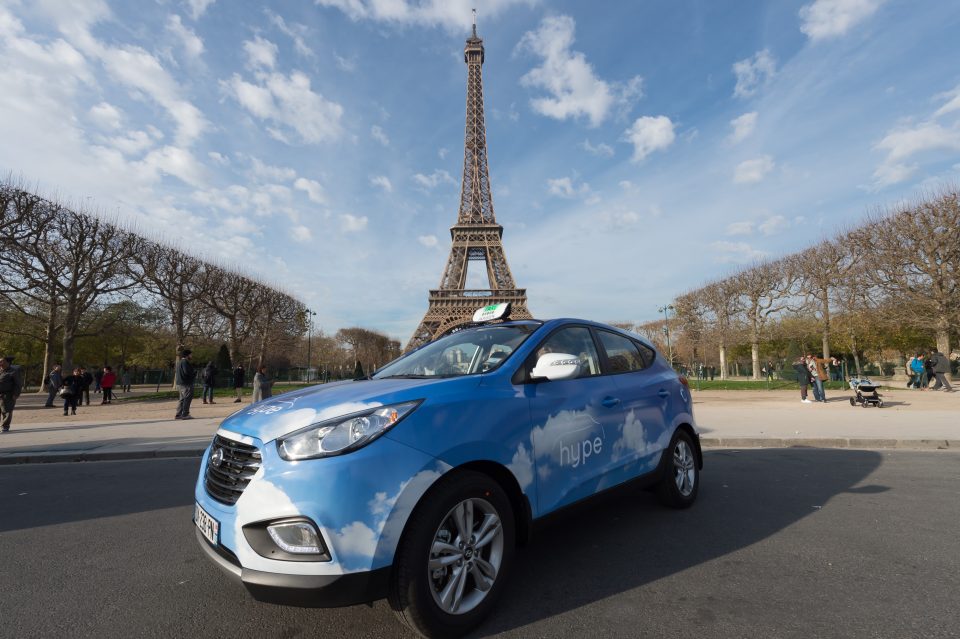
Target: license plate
x=209, y=527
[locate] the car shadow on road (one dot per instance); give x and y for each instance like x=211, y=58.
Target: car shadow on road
x=626, y=540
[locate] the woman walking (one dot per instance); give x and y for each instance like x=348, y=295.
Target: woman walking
x=70, y=391
x=262, y=387
x=209, y=380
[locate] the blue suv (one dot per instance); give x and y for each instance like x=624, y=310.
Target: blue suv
x=419, y=482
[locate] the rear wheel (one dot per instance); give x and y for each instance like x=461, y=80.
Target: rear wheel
x=454, y=556
x=681, y=479
x=853, y=402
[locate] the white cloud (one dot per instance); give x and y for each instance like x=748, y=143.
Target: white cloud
x=442, y=152
x=272, y=173
x=351, y=223
x=177, y=162
x=751, y=171
x=106, y=116
x=903, y=143
x=565, y=188
x=219, y=158
x=301, y=234
x=345, y=64
x=952, y=104
x=649, y=134
x=261, y=53
x=453, y=15
x=737, y=252
x=829, y=18
x=289, y=102
x=574, y=90
x=433, y=180
x=600, y=150
x=192, y=45
x=428, y=240
x=773, y=225
x=132, y=143
x=740, y=228
x=295, y=31
x=753, y=73
x=312, y=188
x=378, y=134
x=618, y=221
x=383, y=182
x=198, y=7
x=743, y=127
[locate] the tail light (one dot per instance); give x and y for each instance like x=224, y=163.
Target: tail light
x=683, y=380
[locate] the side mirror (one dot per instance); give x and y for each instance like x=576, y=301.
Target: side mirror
x=556, y=366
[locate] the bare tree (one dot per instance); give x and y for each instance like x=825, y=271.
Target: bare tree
x=764, y=289
x=233, y=297
x=722, y=300
x=819, y=270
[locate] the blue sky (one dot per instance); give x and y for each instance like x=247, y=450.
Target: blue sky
x=637, y=148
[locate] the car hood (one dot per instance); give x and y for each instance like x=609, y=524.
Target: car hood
x=286, y=413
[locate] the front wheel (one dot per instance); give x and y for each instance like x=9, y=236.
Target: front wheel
x=681, y=479
x=454, y=556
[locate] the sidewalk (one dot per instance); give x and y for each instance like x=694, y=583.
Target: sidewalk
x=727, y=419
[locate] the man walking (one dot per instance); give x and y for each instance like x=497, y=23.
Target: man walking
x=10, y=387
x=85, y=386
x=209, y=381
x=54, y=382
x=186, y=375
x=803, y=378
x=941, y=368
x=817, y=377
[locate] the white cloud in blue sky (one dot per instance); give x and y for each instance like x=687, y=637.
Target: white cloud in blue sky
x=319, y=144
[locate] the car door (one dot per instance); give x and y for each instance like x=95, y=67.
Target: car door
x=644, y=391
x=573, y=422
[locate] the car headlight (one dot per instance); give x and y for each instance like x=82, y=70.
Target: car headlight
x=342, y=434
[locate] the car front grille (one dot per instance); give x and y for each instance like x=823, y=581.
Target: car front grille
x=226, y=480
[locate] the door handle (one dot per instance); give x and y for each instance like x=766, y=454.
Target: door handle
x=664, y=393
x=610, y=402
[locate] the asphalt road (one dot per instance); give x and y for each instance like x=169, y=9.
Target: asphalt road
x=782, y=543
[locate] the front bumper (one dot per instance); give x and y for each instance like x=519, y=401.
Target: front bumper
x=309, y=591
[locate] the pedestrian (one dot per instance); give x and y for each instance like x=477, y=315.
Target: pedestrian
x=209, y=380
x=817, y=377
x=85, y=388
x=107, y=381
x=125, y=380
x=97, y=377
x=803, y=378
x=262, y=387
x=713, y=371
x=917, y=372
x=836, y=370
x=10, y=387
x=72, y=384
x=929, y=373
x=941, y=368
x=769, y=370
x=186, y=376
x=239, y=377
x=54, y=381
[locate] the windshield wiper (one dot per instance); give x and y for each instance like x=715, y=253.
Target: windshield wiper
x=407, y=376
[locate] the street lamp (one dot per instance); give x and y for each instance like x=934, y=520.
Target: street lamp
x=666, y=328
x=310, y=316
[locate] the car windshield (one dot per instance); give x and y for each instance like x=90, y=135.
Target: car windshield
x=476, y=350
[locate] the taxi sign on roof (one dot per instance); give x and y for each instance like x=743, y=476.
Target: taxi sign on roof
x=492, y=312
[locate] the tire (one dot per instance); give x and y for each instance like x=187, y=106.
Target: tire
x=880, y=403
x=681, y=478
x=853, y=402
x=434, y=535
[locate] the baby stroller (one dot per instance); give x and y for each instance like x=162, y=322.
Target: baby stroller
x=866, y=393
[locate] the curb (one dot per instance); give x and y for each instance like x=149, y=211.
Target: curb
x=836, y=442
x=53, y=457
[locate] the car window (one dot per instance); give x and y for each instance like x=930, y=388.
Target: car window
x=575, y=340
x=647, y=354
x=471, y=351
x=623, y=355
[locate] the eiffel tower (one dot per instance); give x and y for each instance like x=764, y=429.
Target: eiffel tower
x=476, y=235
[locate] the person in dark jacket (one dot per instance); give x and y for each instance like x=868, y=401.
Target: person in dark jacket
x=72, y=384
x=85, y=389
x=239, y=377
x=941, y=368
x=10, y=387
x=54, y=382
x=209, y=380
x=803, y=378
x=186, y=376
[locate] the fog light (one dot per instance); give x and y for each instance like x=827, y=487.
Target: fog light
x=297, y=537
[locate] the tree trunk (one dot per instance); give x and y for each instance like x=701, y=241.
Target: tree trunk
x=943, y=336
x=826, y=328
x=723, y=361
x=755, y=357
x=48, y=343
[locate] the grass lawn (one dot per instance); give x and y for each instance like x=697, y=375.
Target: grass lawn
x=228, y=393
x=749, y=384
